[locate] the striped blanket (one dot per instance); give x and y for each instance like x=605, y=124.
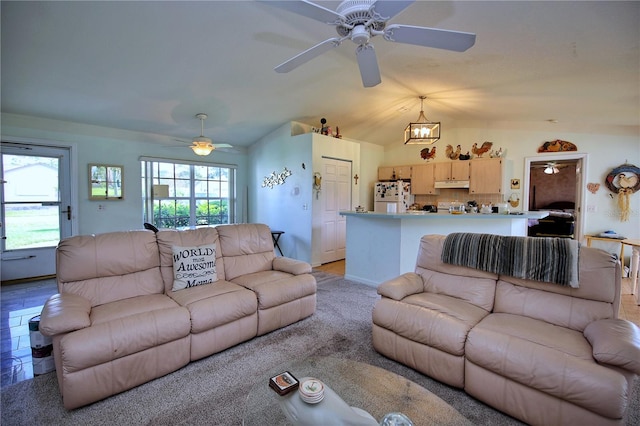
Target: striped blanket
x=553, y=260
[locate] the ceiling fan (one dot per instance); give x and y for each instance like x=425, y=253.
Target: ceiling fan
x=202, y=145
x=551, y=167
x=361, y=20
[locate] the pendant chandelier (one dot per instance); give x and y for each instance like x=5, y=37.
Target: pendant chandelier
x=423, y=131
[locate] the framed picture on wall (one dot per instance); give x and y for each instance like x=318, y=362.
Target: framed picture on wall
x=106, y=182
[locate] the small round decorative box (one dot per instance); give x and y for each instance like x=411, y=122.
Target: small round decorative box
x=311, y=391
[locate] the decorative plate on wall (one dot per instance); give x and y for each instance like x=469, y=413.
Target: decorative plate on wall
x=557, y=146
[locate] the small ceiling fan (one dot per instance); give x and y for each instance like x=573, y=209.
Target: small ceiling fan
x=361, y=20
x=551, y=167
x=202, y=145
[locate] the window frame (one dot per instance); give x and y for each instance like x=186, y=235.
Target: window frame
x=150, y=177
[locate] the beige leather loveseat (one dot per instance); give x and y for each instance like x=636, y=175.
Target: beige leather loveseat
x=136, y=305
x=541, y=352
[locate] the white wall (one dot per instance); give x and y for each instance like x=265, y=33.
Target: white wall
x=284, y=207
x=371, y=156
x=292, y=207
x=605, y=152
x=94, y=144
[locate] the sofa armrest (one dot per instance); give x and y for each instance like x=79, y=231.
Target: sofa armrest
x=64, y=313
x=400, y=287
x=292, y=266
x=615, y=342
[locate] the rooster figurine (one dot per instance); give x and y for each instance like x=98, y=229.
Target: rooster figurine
x=486, y=146
x=451, y=154
x=425, y=154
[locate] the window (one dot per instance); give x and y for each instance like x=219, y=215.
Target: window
x=199, y=194
x=105, y=182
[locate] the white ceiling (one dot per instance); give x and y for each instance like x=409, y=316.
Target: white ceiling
x=151, y=66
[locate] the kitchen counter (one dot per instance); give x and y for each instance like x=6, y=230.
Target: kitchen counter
x=440, y=215
x=381, y=246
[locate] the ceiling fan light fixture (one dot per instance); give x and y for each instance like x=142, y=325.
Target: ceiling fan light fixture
x=201, y=144
x=551, y=170
x=423, y=131
x=202, y=147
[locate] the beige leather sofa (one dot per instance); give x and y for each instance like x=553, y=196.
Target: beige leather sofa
x=540, y=352
x=117, y=321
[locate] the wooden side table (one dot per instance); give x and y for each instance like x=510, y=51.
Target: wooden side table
x=635, y=261
x=609, y=240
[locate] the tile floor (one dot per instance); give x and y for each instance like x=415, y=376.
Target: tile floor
x=18, y=304
x=21, y=302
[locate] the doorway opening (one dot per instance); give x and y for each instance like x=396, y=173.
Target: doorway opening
x=555, y=183
x=36, y=208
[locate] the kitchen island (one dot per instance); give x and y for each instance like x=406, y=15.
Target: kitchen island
x=381, y=246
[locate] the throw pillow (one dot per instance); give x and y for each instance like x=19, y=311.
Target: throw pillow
x=194, y=266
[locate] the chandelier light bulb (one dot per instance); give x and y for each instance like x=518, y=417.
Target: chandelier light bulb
x=422, y=131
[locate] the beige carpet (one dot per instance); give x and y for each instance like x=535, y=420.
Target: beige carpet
x=213, y=391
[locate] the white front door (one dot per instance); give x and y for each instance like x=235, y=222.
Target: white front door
x=35, y=208
x=335, y=197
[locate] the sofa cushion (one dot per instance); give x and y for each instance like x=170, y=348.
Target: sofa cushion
x=246, y=248
x=167, y=238
x=598, y=296
x=435, y=320
x=131, y=306
x=554, y=360
x=475, y=290
x=217, y=304
x=123, y=328
x=566, y=311
x=108, y=267
x=274, y=288
x=193, y=266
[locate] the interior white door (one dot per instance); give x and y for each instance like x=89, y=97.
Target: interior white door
x=335, y=197
x=36, y=208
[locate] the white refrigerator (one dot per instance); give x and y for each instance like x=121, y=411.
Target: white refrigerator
x=392, y=197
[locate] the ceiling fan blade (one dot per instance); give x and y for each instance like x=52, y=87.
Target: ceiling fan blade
x=430, y=37
x=368, y=64
x=308, y=55
x=308, y=9
x=222, y=145
x=388, y=9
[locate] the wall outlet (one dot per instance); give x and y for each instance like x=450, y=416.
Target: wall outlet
x=591, y=208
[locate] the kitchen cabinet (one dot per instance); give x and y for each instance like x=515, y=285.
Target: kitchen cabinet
x=394, y=172
x=423, y=179
x=403, y=172
x=486, y=176
x=385, y=173
x=451, y=170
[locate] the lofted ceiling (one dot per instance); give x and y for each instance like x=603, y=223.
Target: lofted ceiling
x=150, y=66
